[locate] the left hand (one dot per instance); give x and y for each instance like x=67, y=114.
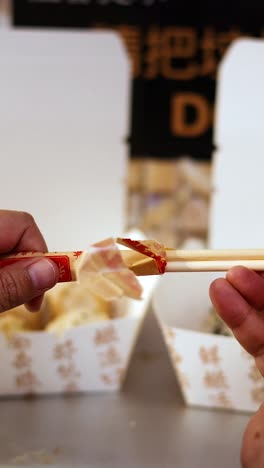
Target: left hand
x=26, y=281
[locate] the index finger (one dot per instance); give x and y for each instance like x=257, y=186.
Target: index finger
x=19, y=232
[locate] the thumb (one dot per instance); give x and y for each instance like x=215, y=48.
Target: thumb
x=23, y=281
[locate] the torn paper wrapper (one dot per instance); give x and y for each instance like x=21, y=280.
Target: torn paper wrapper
x=66, y=261
x=101, y=268
x=147, y=257
x=105, y=273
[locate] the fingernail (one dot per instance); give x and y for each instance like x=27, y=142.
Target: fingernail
x=43, y=274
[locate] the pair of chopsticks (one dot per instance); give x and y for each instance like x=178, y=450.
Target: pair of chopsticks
x=214, y=260
x=176, y=261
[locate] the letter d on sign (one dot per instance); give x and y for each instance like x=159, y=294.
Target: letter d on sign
x=202, y=112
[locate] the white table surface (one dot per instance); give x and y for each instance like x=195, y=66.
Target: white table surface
x=147, y=425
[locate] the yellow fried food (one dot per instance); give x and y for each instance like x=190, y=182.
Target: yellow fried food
x=10, y=325
x=72, y=305
x=67, y=297
x=75, y=318
x=18, y=319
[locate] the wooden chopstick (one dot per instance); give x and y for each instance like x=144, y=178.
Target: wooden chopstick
x=214, y=260
x=216, y=254
x=211, y=265
x=177, y=260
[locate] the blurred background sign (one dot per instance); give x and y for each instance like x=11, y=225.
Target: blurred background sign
x=174, y=51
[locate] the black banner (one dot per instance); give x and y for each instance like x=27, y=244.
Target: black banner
x=174, y=50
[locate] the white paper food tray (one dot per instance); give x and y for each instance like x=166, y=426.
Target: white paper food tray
x=90, y=358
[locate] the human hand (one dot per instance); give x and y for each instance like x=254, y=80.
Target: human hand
x=239, y=300
x=24, y=282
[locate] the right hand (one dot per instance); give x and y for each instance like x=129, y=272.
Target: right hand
x=239, y=300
